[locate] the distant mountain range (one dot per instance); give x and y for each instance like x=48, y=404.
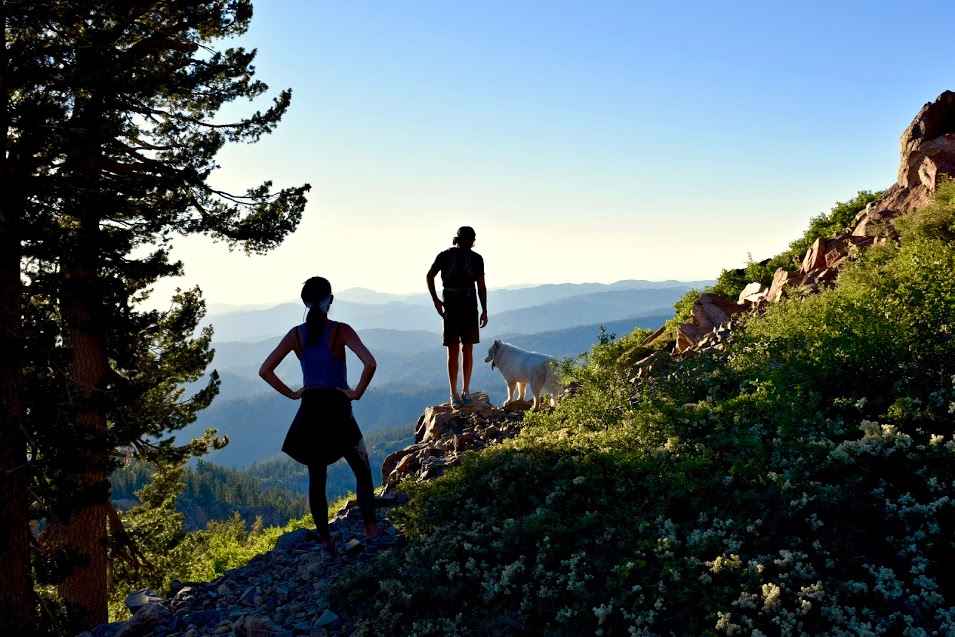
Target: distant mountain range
x=402, y=331
x=524, y=311
x=515, y=297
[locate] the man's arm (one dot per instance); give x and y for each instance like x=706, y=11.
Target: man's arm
x=482, y=294
x=433, y=272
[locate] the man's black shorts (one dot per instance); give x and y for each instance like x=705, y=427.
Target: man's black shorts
x=460, y=317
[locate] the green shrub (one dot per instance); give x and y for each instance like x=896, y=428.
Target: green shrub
x=825, y=225
x=798, y=484
x=170, y=553
x=683, y=310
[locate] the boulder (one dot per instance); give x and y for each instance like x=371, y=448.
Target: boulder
x=687, y=335
x=782, y=280
x=140, y=598
x=392, y=460
x=928, y=144
x=445, y=433
x=517, y=405
x=651, y=338
x=815, y=256
x=144, y=621
x=407, y=464
x=709, y=311
x=927, y=152
x=435, y=421
x=257, y=626
x=327, y=618
x=291, y=540
x=752, y=293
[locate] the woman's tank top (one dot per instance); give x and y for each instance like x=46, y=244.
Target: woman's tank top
x=321, y=369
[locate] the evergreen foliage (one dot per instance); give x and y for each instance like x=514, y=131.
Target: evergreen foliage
x=210, y=492
x=171, y=553
x=110, y=130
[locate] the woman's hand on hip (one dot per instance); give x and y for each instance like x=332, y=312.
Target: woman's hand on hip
x=350, y=393
x=297, y=393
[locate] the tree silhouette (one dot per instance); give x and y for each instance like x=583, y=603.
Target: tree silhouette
x=130, y=93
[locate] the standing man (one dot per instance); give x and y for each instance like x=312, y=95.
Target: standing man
x=461, y=268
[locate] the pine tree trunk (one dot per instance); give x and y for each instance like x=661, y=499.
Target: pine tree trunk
x=16, y=585
x=85, y=589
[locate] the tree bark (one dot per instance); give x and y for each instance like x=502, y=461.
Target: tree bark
x=16, y=585
x=85, y=588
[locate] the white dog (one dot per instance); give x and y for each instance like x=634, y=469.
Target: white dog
x=520, y=368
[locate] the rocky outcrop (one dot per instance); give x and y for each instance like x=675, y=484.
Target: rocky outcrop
x=444, y=433
x=927, y=155
x=709, y=312
x=927, y=148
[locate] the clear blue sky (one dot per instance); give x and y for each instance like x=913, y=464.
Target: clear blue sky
x=587, y=141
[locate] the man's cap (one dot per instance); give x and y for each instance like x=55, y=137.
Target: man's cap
x=465, y=233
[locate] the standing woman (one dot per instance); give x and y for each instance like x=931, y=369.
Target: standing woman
x=324, y=428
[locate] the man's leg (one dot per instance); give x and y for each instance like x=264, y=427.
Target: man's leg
x=467, y=362
x=453, y=369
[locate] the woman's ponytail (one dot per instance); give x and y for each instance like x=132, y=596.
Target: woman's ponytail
x=314, y=325
x=316, y=290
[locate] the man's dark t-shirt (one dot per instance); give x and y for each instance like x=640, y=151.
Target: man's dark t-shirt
x=460, y=268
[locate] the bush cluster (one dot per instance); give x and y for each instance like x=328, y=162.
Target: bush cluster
x=799, y=483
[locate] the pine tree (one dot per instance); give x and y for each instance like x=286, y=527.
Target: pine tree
x=27, y=110
x=139, y=85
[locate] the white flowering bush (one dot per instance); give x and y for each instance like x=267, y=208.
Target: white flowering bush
x=801, y=483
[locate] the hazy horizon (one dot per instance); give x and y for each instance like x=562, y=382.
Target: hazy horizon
x=216, y=307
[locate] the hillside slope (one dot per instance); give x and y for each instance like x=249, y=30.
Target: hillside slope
x=795, y=480
x=789, y=473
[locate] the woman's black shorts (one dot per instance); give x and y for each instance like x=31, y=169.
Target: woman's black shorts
x=324, y=428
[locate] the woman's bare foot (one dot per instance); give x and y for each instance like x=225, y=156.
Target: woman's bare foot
x=325, y=542
x=329, y=545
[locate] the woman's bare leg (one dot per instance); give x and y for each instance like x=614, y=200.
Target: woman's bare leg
x=318, y=503
x=357, y=459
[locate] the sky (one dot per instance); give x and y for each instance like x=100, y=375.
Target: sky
x=584, y=141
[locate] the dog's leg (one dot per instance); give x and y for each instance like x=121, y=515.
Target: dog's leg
x=523, y=388
x=535, y=392
x=511, y=391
